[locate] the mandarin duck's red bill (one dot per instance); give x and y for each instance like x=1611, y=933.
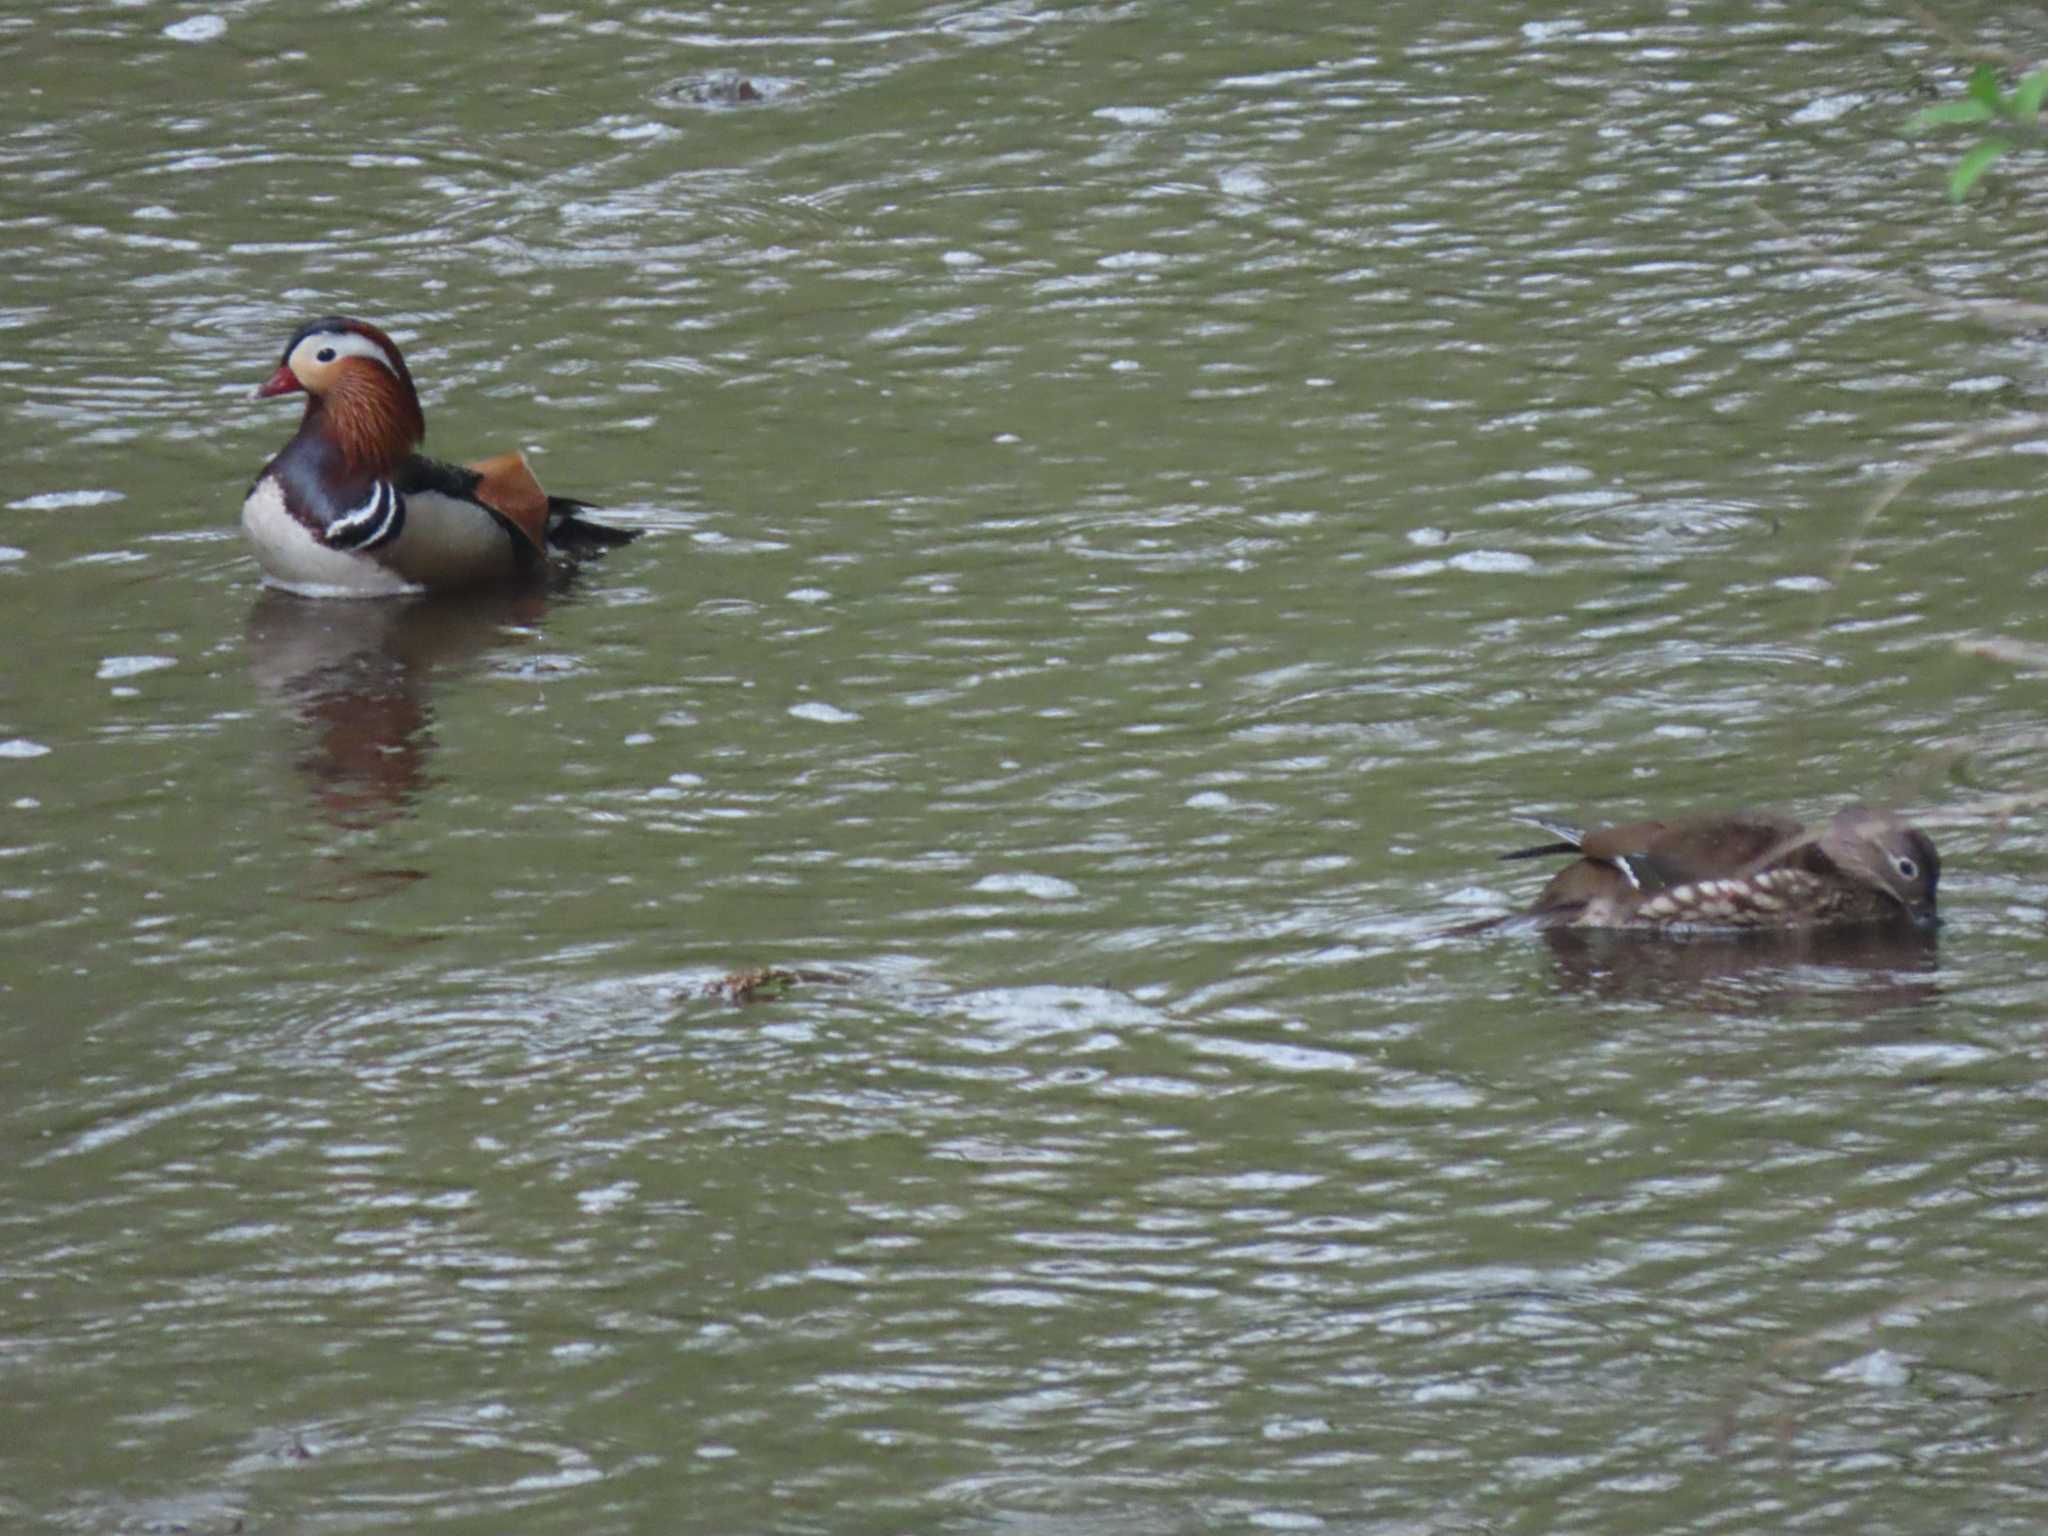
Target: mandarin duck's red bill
x=351, y=508
x=1740, y=871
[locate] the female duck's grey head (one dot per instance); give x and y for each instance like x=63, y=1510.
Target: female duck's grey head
x=1879, y=848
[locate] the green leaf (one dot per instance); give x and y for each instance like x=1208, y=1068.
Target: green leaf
x=1948, y=113
x=2028, y=96
x=1984, y=86
x=1973, y=165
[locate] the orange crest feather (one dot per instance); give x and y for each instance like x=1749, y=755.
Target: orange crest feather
x=376, y=418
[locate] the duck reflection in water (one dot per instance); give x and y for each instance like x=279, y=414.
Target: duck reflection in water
x=359, y=676
x=1866, y=971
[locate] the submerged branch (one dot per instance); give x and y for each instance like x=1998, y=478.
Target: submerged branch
x=1947, y=448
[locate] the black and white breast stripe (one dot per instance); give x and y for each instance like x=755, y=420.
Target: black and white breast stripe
x=374, y=522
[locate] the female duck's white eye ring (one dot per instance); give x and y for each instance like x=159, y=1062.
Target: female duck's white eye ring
x=1907, y=869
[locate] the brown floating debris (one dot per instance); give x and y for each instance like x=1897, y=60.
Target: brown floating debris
x=766, y=984
x=2018, y=653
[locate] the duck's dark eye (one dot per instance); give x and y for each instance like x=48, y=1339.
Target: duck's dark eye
x=325, y=354
x=1908, y=870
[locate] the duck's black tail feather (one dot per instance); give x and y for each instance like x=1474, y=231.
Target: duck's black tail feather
x=1570, y=840
x=577, y=536
x=1537, y=853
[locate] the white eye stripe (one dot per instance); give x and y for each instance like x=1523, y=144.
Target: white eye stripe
x=347, y=344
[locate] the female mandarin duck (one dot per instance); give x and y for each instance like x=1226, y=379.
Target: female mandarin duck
x=1740, y=871
x=349, y=508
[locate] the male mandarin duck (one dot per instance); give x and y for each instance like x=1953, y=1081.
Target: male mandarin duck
x=1745, y=870
x=350, y=508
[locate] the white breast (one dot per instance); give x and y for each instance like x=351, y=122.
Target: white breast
x=293, y=559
